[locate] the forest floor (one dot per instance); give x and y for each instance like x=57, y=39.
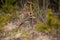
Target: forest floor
x=15, y=31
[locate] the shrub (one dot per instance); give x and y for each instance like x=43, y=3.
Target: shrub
x=51, y=24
